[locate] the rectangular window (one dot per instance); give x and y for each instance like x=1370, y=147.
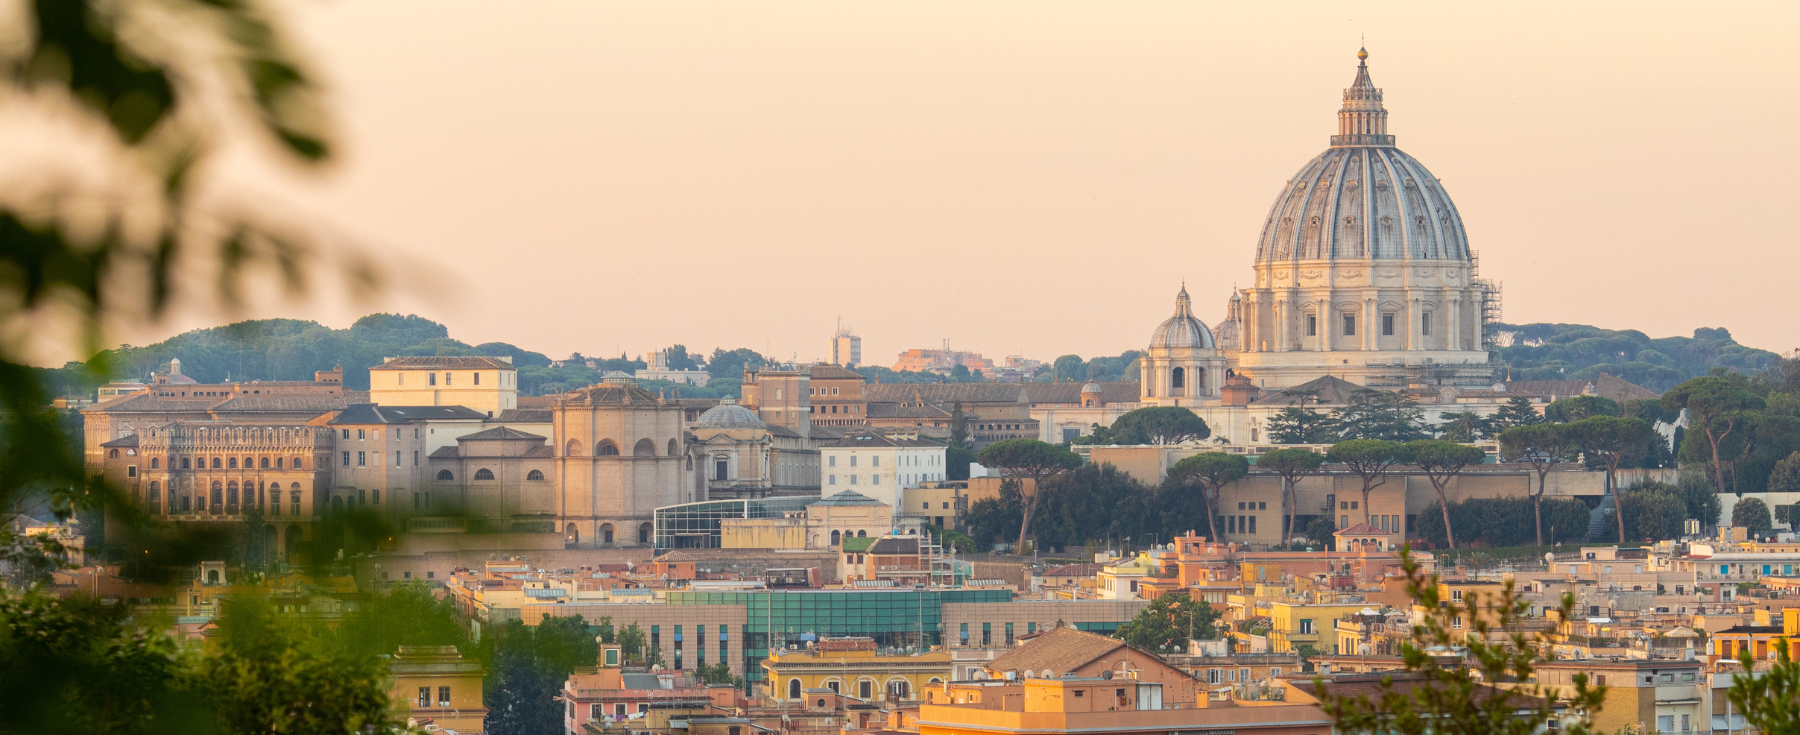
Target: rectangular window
x=875, y=461
x=362, y=459
x=443, y=696
x=1306, y=625
x=1387, y=325
x=415, y=459
x=431, y=378
x=852, y=460
x=446, y=378
x=853, y=479
x=965, y=634
x=478, y=378
x=1343, y=522
x=1009, y=635
x=397, y=462
x=987, y=634
x=1312, y=325
x=1349, y=326
x=346, y=459
x=131, y=471
x=1425, y=323
x=424, y=697
x=1252, y=524
x=360, y=435
x=831, y=461
x=874, y=479
x=831, y=480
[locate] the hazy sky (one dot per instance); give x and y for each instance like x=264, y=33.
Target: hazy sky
x=1030, y=177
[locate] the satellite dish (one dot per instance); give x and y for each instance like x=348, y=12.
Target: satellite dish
x=1107, y=674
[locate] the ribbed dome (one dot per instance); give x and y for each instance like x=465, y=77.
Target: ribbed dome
x=1092, y=388
x=1182, y=330
x=728, y=416
x=1363, y=198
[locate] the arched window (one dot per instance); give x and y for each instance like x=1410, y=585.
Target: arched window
x=249, y=462
x=231, y=463
x=231, y=493
x=834, y=538
x=484, y=474
x=534, y=475
x=154, y=501
x=1177, y=381
x=606, y=448
x=573, y=449
x=113, y=454
x=721, y=469
x=297, y=463
x=573, y=534
x=862, y=534
x=155, y=463
x=445, y=476
x=265, y=463
x=899, y=689
x=793, y=689
x=215, y=463
x=606, y=533
x=643, y=448
x=184, y=463
x=218, y=493
x=644, y=533
x=673, y=448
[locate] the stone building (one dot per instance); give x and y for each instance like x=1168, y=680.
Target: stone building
x=621, y=454
x=486, y=384
x=1183, y=366
x=502, y=477
x=1363, y=268
x=741, y=457
x=222, y=472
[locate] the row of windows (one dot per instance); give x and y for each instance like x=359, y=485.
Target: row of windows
x=834, y=409
x=1387, y=325
x=906, y=460
x=362, y=459
x=606, y=448
x=224, y=495
x=362, y=434
x=486, y=474
x=432, y=378
x=227, y=463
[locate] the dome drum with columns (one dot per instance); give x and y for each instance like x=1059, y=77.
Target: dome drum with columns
x=1363, y=272
x=1183, y=366
x=1362, y=266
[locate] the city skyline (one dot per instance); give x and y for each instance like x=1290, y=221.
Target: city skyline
x=843, y=149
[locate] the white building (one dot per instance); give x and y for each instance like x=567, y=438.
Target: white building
x=658, y=369
x=880, y=465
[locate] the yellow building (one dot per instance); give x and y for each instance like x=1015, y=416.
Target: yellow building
x=436, y=685
x=854, y=668
x=1292, y=625
x=486, y=384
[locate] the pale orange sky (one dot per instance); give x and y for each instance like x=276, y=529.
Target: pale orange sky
x=1026, y=177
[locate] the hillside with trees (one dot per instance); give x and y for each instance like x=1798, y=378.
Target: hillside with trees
x=1581, y=352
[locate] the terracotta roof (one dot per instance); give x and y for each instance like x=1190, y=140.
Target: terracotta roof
x=1074, y=570
x=536, y=401
x=1605, y=386
x=1331, y=390
x=1370, y=686
x=285, y=404
x=525, y=415
x=151, y=404
x=830, y=372
x=944, y=393
x=370, y=413
x=500, y=433
x=1060, y=651
x=611, y=394
x=1112, y=391
x=871, y=439
x=905, y=411
x=437, y=362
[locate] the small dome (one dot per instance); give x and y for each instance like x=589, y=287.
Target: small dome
x=1091, y=388
x=728, y=416
x=1182, y=330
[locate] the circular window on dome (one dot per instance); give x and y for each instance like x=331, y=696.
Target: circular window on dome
x=1350, y=220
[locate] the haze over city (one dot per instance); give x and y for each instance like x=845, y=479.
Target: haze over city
x=1015, y=177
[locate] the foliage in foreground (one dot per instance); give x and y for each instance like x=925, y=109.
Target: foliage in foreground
x=1168, y=622
x=1452, y=697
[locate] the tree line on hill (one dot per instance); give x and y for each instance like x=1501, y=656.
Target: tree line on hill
x=1580, y=352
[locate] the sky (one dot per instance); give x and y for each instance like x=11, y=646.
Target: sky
x=1034, y=178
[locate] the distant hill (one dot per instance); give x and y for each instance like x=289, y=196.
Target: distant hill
x=1579, y=352
x=290, y=349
